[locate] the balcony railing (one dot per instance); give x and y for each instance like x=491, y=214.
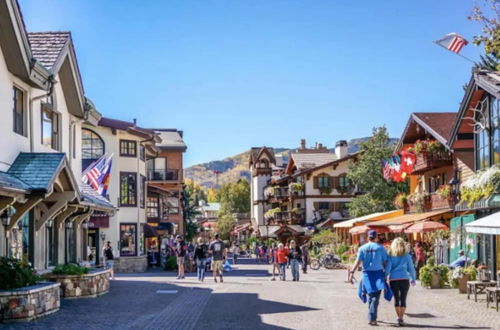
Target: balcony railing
x=287, y=217
x=163, y=175
x=433, y=202
x=426, y=161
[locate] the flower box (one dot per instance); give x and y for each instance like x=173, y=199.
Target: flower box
x=29, y=303
x=89, y=285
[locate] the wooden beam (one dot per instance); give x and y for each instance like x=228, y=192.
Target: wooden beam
x=68, y=195
x=22, y=209
x=6, y=202
x=61, y=217
x=82, y=217
x=62, y=200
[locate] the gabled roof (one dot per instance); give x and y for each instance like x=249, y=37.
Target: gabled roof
x=256, y=152
x=47, y=47
x=480, y=82
x=304, y=161
x=336, y=161
x=39, y=170
x=130, y=127
x=11, y=183
x=437, y=124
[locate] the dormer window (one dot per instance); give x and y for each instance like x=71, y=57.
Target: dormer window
x=50, y=127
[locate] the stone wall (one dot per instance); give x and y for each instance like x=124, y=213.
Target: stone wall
x=29, y=303
x=88, y=285
x=131, y=264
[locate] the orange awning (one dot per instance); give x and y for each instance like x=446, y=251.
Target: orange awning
x=408, y=218
x=364, y=229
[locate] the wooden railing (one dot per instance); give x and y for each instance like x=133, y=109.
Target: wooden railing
x=426, y=161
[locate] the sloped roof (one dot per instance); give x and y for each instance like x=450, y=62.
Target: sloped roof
x=46, y=47
x=441, y=123
x=489, y=81
x=127, y=126
x=171, y=140
x=37, y=170
x=255, y=153
x=212, y=207
x=90, y=196
x=9, y=182
x=309, y=160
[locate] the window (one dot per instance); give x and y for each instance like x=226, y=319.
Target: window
x=172, y=205
x=92, y=147
x=128, y=148
x=495, y=129
x=128, y=189
x=142, y=152
x=128, y=240
x=142, y=195
x=323, y=181
x=344, y=181
x=18, y=111
x=483, y=144
x=324, y=206
x=152, y=207
x=50, y=128
x=70, y=255
x=51, y=260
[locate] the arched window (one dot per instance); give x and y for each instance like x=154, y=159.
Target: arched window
x=92, y=147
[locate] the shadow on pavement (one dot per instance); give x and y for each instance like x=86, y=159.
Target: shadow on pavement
x=421, y=315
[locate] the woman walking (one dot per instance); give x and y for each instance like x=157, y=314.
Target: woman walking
x=200, y=257
x=400, y=272
x=295, y=258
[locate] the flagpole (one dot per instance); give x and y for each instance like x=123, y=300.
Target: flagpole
x=465, y=58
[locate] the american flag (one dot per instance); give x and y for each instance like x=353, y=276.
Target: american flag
x=452, y=42
x=94, y=174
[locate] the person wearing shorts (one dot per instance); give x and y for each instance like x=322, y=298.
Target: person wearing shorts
x=218, y=252
x=180, y=250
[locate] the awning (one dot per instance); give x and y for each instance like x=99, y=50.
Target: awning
x=490, y=202
x=367, y=218
x=425, y=227
x=364, y=229
x=408, y=218
x=488, y=225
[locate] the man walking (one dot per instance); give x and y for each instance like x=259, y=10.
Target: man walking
x=374, y=258
x=235, y=250
x=219, y=253
x=274, y=261
x=180, y=251
x=305, y=257
x=109, y=259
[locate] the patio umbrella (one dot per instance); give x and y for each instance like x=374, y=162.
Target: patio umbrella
x=398, y=228
x=425, y=227
x=364, y=229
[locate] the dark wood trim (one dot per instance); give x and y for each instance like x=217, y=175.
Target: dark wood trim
x=127, y=155
x=120, y=190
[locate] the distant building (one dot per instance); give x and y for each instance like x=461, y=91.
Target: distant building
x=208, y=218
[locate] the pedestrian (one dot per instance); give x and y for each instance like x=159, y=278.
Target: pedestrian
x=109, y=259
x=419, y=257
x=180, y=251
x=200, y=257
x=274, y=261
x=235, y=250
x=294, y=259
x=400, y=272
x=282, y=258
x=219, y=253
x=374, y=258
x=305, y=257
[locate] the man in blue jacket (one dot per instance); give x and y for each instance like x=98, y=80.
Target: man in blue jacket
x=373, y=257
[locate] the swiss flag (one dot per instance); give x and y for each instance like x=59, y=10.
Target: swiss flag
x=407, y=161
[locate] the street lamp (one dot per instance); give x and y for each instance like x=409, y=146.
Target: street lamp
x=5, y=218
x=454, y=191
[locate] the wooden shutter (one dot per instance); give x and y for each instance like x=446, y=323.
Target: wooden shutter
x=336, y=206
x=315, y=182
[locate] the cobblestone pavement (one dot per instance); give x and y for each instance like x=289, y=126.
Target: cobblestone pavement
x=249, y=300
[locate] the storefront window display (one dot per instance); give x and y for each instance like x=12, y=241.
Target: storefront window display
x=128, y=240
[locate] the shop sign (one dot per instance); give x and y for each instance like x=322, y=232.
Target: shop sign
x=99, y=221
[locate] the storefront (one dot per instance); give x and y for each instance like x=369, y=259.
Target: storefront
x=95, y=236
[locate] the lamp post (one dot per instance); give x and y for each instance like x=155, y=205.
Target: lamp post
x=5, y=218
x=454, y=192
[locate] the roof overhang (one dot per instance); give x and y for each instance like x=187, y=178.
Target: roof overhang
x=66, y=67
x=414, y=119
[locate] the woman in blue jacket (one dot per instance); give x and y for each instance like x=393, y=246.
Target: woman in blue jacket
x=400, y=272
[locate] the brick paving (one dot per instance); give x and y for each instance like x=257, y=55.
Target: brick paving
x=249, y=300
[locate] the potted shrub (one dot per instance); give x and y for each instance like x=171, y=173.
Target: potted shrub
x=271, y=213
x=444, y=191
x=419, y=200
x=433, y=276
x=459, y=277
x=296, y=188
x=23, y=295
x=400, y=200
x=77, y=281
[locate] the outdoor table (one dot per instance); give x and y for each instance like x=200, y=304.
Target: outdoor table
x=492, y=295
x=478, y=287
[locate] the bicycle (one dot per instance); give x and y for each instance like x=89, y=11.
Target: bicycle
x=328, y=261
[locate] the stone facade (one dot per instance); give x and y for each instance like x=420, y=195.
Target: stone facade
x=29, y=303
x=131, y=264
x=88, y=285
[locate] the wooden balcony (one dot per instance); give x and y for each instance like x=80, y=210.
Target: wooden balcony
x=287, y=217
x=426, y=161
x=434, y=202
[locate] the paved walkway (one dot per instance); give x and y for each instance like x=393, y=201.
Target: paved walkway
x=249, y=300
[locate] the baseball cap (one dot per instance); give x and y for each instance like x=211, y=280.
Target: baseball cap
x=372, y=233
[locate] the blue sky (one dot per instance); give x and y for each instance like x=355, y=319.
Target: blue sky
x=238, y=73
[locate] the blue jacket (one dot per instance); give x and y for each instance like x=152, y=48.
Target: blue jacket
x=373, y=256
x=400, y=268
x=371, y=282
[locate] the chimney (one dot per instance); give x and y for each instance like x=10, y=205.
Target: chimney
x=302, y=143
x=341, y=149
x=320, y=146
x=135, y=122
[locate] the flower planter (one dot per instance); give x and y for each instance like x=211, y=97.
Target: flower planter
x=29, y=303
x=436, y=281
x=462, y=283
x=89, y=285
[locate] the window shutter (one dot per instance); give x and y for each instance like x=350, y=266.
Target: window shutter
x=331, y=206
x=336, y=206
x=315, y=182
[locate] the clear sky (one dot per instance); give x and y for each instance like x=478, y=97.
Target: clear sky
x=240, y=73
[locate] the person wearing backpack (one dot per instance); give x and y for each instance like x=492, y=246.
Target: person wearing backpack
x=109, y=259
x=200, y=257
x=181, y=251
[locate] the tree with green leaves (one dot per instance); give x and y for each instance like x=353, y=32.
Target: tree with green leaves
x=192, y=229
x=488, y=15
x=233, y=198
x=366, y=173
x=193, y=193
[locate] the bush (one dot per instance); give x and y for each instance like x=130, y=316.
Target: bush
x=341, y=249
x=171, y=263
x=429, y=269
x=16, y=274
x=459, y=272
x=70, y=269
